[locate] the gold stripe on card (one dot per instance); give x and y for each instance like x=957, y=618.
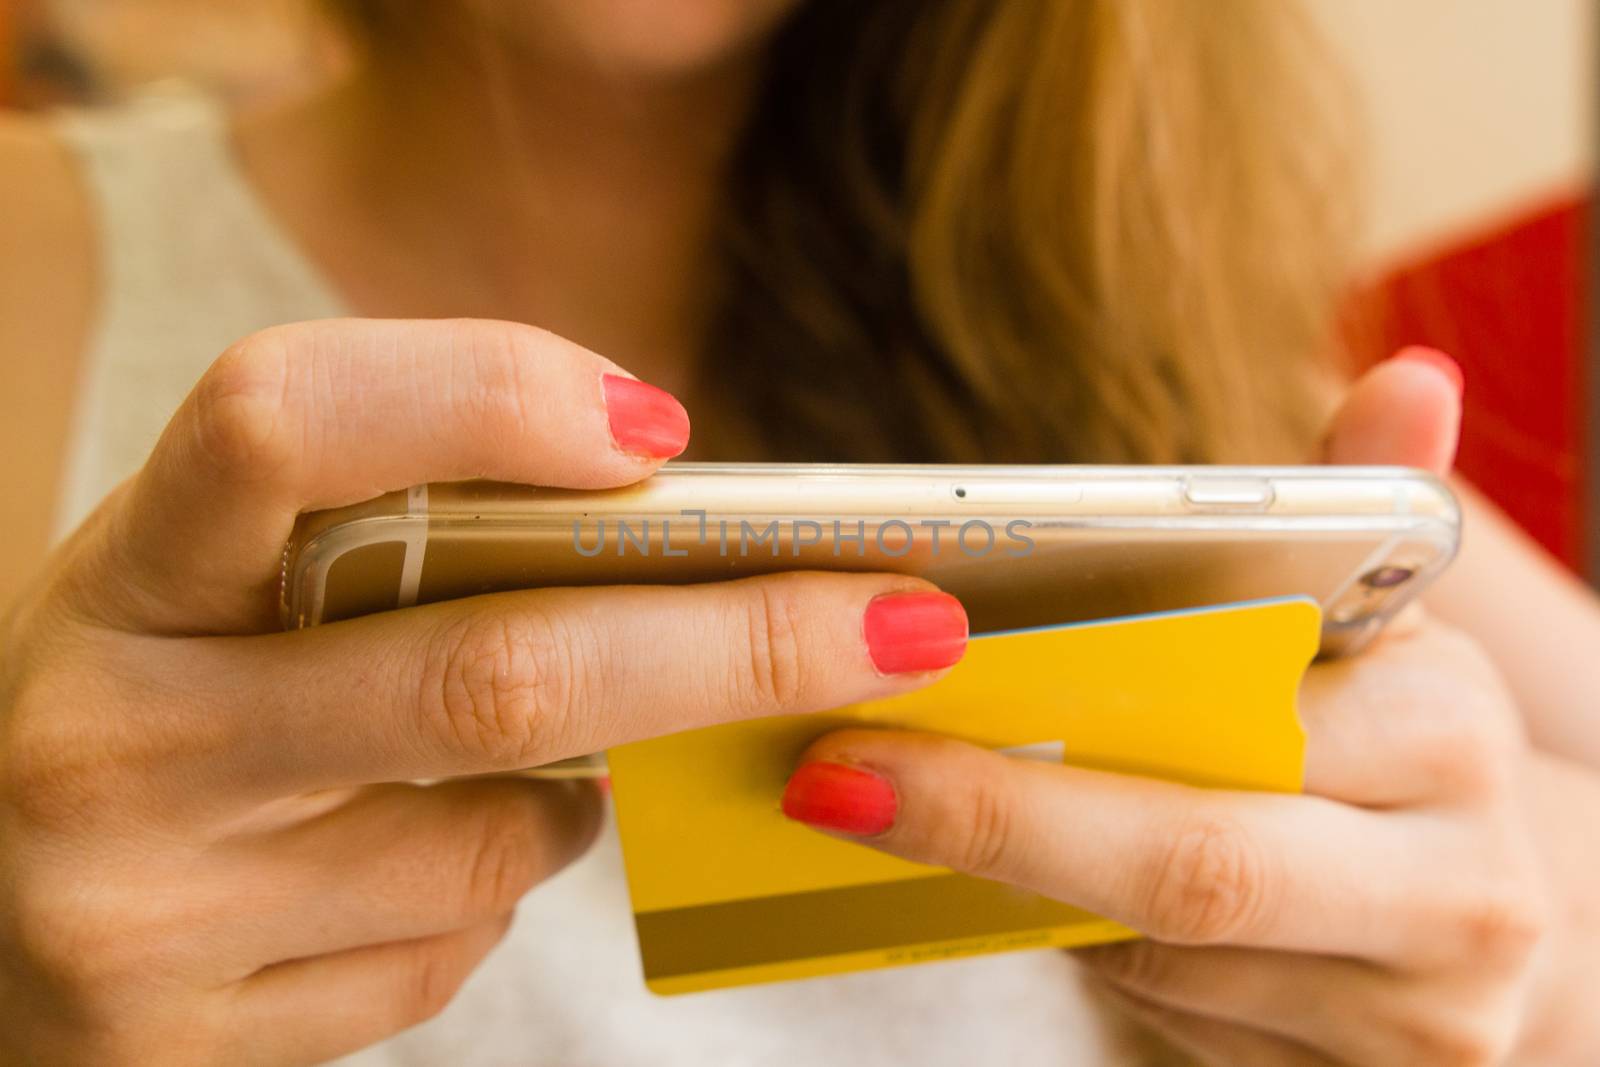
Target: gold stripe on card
x=835, y=922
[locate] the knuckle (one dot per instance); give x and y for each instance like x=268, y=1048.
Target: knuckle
x=503, y=863
x=30, y=769
x=500, y=688
x=772, y=673
x=242, y=424
x=493, y=383
x=50, y=781
x=984, y=837
x=48, y=935
x=431, y=979
x=1441, y=701
x=1504, y=928
x=65, y=938
x=1208, y=885
x=1468, y=751
x=1462, y=1041
x=1139, y=965
x=66, y=919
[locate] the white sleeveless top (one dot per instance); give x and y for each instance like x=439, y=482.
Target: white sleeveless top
x=191, y=261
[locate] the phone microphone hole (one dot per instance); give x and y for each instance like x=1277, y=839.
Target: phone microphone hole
x=961, y=492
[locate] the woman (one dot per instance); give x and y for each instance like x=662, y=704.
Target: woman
x=1020, y=231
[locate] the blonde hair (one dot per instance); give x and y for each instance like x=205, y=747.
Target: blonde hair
x=1039, y=230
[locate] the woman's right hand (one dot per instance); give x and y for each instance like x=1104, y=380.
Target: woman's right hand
x=198, y=862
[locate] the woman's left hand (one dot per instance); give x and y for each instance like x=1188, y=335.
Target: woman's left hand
x=1390, y=915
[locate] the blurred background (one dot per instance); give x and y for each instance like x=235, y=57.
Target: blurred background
x=73, y=51
x=1480, y=119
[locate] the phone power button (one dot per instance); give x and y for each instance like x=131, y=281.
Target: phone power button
x=1228, y=494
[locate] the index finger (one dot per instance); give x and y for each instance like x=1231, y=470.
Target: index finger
x=515, y=680
x=320, y=414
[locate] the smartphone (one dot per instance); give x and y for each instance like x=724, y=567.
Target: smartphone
x=1019, y=545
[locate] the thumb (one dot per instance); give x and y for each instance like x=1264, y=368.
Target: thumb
x=1405, y=412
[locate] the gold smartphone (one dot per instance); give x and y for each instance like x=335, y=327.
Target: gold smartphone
x=1019, y=545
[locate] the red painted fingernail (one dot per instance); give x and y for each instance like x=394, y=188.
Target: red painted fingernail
x=832, y=796
x=915, y=632
x=1437, y=360
x=644, y=420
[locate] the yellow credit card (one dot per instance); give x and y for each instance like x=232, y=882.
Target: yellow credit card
x=726, y=891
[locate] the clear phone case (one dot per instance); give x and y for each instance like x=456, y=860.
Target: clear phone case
x=1020, y=546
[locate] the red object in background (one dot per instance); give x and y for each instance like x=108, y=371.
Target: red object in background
x=1510, y=304
x=8, y=54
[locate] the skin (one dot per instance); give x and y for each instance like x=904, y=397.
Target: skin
x=181, y=787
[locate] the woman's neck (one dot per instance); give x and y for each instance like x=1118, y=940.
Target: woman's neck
x=486, y=183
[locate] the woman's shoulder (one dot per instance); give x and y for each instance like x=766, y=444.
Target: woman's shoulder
x=45, y=230
x=47, y=267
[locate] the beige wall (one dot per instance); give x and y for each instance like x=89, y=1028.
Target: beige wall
x=241, y=48
x=1474, y=109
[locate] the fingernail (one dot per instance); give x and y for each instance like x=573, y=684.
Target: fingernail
x=644, y=420
x=1437, y=360
x=832, y=796
x=915, y=632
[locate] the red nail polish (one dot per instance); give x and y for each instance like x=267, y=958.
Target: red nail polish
x=1437, y=360
x=832, y=796
x=915, y=632
x=644, y=420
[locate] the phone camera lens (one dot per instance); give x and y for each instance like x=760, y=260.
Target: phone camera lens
x=1387, y=577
